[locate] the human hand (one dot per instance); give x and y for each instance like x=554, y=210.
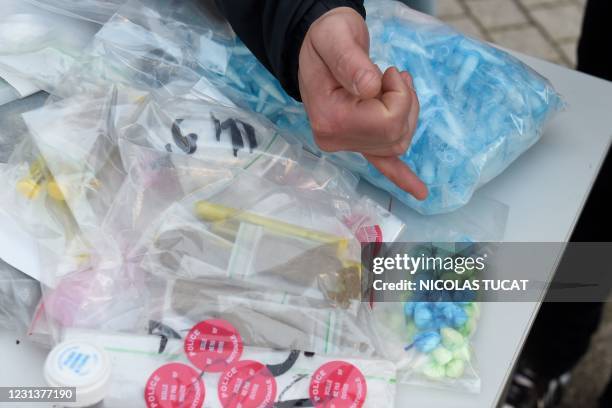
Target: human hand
x=351, y=104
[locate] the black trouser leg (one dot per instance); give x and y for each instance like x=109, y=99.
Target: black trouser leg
x=562, y=331
x=595, y=47
x=560, y=337
x=606, y=399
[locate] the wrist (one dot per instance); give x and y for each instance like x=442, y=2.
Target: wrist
x=297, y=36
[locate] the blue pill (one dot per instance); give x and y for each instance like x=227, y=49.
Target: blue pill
x=423, y=317
x=409, y=308
x=427, y=341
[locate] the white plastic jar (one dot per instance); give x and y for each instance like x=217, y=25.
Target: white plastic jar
x=82, y=365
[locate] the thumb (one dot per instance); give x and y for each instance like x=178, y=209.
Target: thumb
x=344, y=45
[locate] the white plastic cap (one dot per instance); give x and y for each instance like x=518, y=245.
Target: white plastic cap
x=82, y=365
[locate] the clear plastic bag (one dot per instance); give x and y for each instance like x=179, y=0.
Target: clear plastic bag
x=255, y=231
x=7, y=93
x=210, y=367
x=75, y=137
x=270, y=318
x=38, y=45
x=436, y=352
x=12, y=128
x=480, y=107
x=31, y=197
x=156, y=47
x=173, y=179
x=19, y=295
x=430, y=335
x=96, y=11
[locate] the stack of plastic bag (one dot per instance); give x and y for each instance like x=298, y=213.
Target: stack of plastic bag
x=163, y=211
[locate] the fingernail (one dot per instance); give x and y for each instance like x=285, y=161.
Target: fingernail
x=362, y=79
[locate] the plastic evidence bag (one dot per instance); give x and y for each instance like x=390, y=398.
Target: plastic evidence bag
x=270, y=318
x=210, y=367
x=38, y=45
x=157, y=47
x=7, y=93
x=96, y=11
x=480, y=107
x=158, y=208
x=431, y=342
x=431, y=337
x=19, y=295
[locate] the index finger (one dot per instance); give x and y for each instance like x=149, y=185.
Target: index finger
x=400, y=174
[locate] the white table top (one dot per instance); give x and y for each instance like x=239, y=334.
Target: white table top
x=545, y=190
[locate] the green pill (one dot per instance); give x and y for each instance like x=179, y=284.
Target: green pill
x=472, y=310
x=441, y=355
x=434, y=371
x=462, y=353
x=455, y=369
x=451, y=338
x=468, y=328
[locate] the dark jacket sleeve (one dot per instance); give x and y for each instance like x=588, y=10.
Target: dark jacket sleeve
x=274, y=30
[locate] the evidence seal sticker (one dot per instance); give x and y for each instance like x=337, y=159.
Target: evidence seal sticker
x=365, y=231
x=338, y=384
x=213, y=344
x=174, y=385
x=369, y=234
x=247, y=384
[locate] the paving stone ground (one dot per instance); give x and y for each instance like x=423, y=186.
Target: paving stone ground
x=548, y=29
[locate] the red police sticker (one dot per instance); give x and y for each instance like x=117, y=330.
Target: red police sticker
x=175, y=385
x=247, y=384
x=338, y=384
x=213, y=344
x=364, y=230
x=369, y=234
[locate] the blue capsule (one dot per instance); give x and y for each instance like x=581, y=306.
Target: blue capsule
x=427, y=341
x=409, y=309
x=423, y=316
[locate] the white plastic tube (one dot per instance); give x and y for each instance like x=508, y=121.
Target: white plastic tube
x=148, y=371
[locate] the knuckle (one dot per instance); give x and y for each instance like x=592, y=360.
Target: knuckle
x=325, y=144
x=343, y=61
x=404, y=146
x=393, y=131
x=323, y=134
x=323, y=129
x=399, y=149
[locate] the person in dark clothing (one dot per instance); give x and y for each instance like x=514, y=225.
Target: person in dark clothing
x=319, y=51
x=562, y=331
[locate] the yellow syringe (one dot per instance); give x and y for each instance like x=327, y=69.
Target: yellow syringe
x=208, y=211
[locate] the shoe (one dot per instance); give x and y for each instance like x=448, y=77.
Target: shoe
x=528, y=390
